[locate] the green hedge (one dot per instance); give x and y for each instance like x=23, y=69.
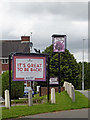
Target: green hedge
x=17, y=87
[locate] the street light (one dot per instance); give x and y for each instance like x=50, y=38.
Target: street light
x=83, y=67
x=31, y=44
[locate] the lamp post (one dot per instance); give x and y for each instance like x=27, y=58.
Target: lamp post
x=30, y=45
x=83, y=67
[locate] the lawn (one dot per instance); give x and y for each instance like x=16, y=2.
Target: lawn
x=63, y=102
x=36, y=99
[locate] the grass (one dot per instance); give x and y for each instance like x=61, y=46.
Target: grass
x=63, y=102
x=36, y=99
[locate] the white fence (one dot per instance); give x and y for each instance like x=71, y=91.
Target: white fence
x=70, y=90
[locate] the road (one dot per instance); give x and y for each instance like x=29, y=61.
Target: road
x=80, y=113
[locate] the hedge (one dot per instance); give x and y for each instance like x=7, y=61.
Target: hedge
x=17, y=87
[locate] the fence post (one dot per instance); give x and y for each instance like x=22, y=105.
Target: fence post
x=73, y=94
x=7, y=99
x=53, y=95
x=30, y=102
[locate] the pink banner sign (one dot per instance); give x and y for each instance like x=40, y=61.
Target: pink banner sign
x=29, y=68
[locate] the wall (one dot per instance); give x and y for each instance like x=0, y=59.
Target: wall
x=4, y=67
x=44, y=90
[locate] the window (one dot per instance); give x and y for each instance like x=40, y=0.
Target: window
x=4, y=61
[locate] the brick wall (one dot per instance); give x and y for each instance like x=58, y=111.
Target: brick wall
x=44, y=90
x=4, y=67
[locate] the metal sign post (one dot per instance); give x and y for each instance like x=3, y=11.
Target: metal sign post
x=10, y=56
x=48, y=79
x=10, y=77
x=59, y=88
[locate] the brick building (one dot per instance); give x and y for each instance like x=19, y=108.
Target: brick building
x=9, y=46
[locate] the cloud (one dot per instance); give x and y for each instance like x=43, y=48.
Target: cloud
x=78, y=55
x=44, y=19
x=70, y=10
x=45, y=1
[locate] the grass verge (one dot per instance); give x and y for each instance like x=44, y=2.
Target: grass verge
x=63, y=102
x=36, y=99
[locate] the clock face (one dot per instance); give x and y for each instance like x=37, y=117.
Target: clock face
x=59, y=45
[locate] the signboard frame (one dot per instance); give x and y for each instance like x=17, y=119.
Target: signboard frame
x=56, y=41
x=29, y=56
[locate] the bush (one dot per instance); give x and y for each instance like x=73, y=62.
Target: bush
x=17, y=87
x=0, y=85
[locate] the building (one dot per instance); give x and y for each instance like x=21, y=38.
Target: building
x=9, y=46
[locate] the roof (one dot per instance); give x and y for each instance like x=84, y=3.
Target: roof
x=9, y=46
x=57, y=35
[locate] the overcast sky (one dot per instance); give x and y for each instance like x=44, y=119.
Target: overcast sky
x=44, y=19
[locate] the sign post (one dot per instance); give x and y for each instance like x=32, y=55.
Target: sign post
x=10, y=77
x=10, y=55
x=59, y=45
x=59, y=73
x=48, y=78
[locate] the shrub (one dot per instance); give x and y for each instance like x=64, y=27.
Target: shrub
x=17, y=87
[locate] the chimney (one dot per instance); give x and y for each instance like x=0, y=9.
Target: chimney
x=25, y=39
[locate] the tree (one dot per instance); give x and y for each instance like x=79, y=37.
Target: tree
x=86, y=74
x=17, y=87
x=69, y=67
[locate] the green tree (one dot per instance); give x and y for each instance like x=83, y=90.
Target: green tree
x=69, y=67
x=86, y=74
x=17, y=87
x=80, y=76
x=0, y=85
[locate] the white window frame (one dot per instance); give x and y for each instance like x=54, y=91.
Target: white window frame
x=4, y=61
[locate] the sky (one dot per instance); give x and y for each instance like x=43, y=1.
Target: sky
x=45, y=18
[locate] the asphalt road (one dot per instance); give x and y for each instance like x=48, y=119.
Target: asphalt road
x=80, y=113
